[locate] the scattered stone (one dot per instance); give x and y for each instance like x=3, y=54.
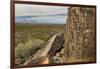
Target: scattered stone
x=18, y=61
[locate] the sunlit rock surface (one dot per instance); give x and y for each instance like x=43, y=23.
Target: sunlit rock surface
x=80, y=35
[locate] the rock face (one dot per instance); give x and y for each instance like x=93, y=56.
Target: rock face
x=57, y=44
x=80, y=34
x=55, y=55
x=46, y=54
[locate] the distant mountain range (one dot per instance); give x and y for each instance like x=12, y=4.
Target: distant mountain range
x=52, y=18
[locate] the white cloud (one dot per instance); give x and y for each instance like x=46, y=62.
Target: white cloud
x=34, y=10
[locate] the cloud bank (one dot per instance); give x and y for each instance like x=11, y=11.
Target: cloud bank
x=25, y=13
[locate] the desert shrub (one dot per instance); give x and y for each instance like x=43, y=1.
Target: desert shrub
x=23, y=50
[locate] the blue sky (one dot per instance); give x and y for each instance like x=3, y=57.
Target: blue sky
x=25, y=13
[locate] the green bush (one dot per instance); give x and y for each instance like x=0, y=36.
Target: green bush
x=22, y=50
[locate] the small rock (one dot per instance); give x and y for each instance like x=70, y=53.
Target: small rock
x=57, y=54
x=18, y=61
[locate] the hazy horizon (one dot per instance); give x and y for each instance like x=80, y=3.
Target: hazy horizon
x=25, y=13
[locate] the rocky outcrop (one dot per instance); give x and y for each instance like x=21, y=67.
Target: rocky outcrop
x=57, y=44
x=47, y=54
x=54, y=53
x=80, y=34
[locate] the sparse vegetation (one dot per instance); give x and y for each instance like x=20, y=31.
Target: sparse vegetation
x=33, y=36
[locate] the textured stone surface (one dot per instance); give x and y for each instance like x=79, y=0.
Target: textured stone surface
x=80, y=34
x=45, y=55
